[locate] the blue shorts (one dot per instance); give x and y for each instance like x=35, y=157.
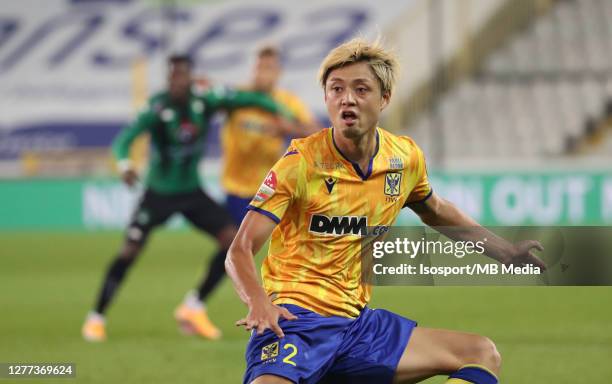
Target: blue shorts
x=237, y=207
x=319, y=349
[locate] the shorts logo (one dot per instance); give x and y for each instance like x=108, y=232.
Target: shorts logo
x=339, y=225
x=134, y=234
x=267, y=189
x=269, y=351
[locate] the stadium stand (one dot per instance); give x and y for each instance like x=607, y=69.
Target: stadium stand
x=544, y=90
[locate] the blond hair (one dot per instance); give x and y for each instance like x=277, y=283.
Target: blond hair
x=383, y=63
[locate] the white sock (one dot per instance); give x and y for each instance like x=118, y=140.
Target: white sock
x=93, y=315
x=193, y=302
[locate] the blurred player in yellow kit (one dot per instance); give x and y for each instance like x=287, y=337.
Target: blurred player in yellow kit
x=253, y=139
x=309, y=319
x=177, y=120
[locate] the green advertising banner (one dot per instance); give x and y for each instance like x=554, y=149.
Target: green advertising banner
x=583, y=198
x=41, y=204
x=534, y=198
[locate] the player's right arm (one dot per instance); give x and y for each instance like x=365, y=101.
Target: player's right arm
x=254, y=231
x=123, y=141
x=280, y=189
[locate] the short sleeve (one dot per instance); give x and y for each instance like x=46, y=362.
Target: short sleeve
x=280, y=186
x=422, y=189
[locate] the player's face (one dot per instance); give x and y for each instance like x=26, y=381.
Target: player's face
x=354, y=99
x=267, y=73
x=179, y=80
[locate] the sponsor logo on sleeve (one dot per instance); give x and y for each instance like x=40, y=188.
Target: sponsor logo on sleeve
x=267, y=188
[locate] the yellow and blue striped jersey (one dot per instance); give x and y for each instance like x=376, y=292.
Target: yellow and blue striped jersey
x=248, y=150
x=323, y=205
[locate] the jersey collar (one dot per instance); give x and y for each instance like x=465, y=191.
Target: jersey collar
x=355, y=165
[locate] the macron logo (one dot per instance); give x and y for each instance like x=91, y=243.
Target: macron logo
x=339, y=225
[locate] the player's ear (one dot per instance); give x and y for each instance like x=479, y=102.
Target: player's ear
x=386, y=98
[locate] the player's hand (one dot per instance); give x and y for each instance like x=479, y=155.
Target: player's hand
x=522, y=254
x=129, y=177
x=264, y=316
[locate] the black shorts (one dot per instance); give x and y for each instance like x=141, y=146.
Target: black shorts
x=154, y=209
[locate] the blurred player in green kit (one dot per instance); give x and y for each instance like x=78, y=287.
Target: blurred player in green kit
x=177, y=121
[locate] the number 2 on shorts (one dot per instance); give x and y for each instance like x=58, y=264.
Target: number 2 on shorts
x=293, y=353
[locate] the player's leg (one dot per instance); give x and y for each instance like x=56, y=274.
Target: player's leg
x=117, y=271
x=467, y=358
x=303, y=356
x=383, y=347
x=216, y=267
x=209, y=217
x=148, y=214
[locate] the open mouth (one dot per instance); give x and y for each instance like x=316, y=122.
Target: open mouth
x=349, y=117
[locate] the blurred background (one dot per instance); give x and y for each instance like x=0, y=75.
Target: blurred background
x=511, y=101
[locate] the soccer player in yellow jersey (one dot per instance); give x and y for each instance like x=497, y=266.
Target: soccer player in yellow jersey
x=310, y=321
x=253, y=140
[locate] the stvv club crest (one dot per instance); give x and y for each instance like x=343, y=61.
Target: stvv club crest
x=393, y=181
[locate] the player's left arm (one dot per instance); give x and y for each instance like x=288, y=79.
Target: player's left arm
x=263, y=314
x=229, y=99
x=279, y=189
x=449, y=220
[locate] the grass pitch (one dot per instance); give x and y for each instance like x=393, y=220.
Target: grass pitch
x=49, y=281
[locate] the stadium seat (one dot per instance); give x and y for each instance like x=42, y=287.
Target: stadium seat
x=539, y=90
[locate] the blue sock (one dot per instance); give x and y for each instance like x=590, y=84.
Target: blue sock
x=476, y=374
